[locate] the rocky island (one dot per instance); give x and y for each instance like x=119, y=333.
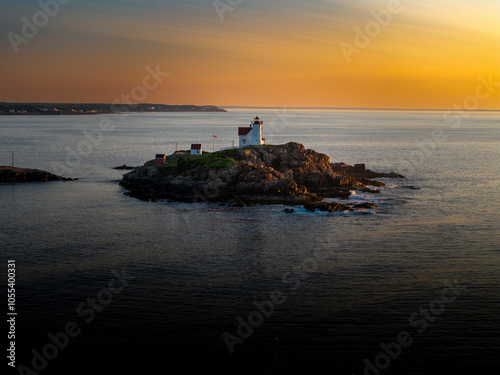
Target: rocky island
x=13, y=174
x=286, y=174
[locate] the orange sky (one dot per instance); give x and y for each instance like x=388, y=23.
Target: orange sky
x=429, y=54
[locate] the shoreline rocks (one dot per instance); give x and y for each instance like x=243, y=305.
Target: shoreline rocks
x=124, y=167
x=15, y=175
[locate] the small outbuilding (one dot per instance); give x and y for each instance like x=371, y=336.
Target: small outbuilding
x=196, y=149
x=160, y=159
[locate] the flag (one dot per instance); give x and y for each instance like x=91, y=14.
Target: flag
x=215, y=137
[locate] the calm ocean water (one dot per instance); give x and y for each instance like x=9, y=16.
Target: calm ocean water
x=345, y=285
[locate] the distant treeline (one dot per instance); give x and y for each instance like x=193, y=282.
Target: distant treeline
x=93, y=108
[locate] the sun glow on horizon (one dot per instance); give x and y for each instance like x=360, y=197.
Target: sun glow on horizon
x=429, y=54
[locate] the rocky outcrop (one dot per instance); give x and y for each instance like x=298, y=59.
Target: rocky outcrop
x=13, y=174
x=289, y=174
x=359, y=171
x=125, y=167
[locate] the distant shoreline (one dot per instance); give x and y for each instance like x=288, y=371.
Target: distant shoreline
x=51, y=109
x=54, y=109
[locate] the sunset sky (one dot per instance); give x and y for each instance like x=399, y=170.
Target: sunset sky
x=281, y=53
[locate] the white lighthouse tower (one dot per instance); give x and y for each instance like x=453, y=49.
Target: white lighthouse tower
x=257, y=132
x=252, y=135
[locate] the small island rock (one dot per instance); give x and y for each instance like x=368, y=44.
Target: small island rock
x=14, y=174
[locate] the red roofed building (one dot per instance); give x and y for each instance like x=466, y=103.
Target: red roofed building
x=251, y=135
x=196, y=149
x=160, y=159
x=244, y=131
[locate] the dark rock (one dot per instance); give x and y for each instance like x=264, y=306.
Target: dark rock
x=368, y=190
x=326, y=206
x=125, y=167
x=365, y=205
x=13, y=174
x=289, y=210
x=367, y=181
x=360, y=171
x=359, y=168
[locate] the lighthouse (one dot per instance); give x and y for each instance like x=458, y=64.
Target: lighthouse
x=252, y=135
x=257, y=131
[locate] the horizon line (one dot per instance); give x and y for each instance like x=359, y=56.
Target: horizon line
x=256, y=107
x=358, y=108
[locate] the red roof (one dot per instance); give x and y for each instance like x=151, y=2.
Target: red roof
x=244, y=131
x=195, y=146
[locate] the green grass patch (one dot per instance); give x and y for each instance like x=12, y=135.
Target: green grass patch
x=186, y=163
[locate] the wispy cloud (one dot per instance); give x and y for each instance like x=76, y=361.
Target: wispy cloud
x=287, y=47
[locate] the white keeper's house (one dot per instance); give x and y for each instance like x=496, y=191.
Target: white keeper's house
x=252, y=135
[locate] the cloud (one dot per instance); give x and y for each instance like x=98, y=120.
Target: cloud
x=283, y=45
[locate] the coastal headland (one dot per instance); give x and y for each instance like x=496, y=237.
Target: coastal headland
x=286, y=174
x=97, y=108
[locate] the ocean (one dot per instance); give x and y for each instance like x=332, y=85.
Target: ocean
x=108, y=283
